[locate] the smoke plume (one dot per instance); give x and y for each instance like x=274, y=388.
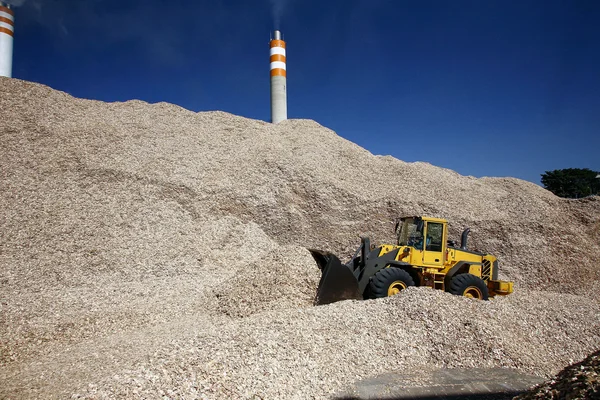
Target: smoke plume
x=278, y=9
x=14, y=3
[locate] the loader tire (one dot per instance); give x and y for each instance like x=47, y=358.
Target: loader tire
x=469, y=285
x=389, y=281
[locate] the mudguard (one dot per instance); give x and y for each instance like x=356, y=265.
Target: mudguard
x=337, y=280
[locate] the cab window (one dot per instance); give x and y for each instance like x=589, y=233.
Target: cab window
x=435, y=232
x=411, y=235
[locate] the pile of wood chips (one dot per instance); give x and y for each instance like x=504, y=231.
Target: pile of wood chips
x=578, y=381
x=147, y=251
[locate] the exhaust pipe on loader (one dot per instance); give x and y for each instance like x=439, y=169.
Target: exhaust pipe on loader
x=337, y=280
x=463, y=238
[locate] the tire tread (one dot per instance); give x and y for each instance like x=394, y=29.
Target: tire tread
x=460, y=282
x=382, y=280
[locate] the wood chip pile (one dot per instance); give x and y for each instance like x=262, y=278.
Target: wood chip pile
x=577, y=381
x=146, y=251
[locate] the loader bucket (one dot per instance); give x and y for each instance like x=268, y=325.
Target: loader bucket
x=337, y=281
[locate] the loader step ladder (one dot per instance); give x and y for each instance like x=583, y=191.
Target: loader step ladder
x=438, y=281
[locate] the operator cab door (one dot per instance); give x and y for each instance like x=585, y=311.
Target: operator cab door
x=434, y=237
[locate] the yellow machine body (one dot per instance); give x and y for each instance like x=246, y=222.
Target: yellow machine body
x=426, y=257
x=437, y=259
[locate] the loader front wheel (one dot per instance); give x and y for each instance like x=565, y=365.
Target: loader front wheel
x=469, y=285
x=389, y=281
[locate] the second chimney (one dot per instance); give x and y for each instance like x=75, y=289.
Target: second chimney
x=278, y=79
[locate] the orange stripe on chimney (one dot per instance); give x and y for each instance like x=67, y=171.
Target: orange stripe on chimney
x=8, y=21
x=277, y=43
x=277, y=57
x=7, y=10
x=7, y=31
x=278, y=72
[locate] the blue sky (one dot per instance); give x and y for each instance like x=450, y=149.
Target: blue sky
x=486, y=88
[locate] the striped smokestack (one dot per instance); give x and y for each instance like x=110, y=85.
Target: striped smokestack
x=278, y=79
x=7, y=29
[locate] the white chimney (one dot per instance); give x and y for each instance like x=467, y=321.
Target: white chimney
x=7, y=29
x=278, y=79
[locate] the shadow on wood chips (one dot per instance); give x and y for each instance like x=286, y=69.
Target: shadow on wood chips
x=477, y=396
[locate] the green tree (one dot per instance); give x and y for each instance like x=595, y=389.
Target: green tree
x=572, y=182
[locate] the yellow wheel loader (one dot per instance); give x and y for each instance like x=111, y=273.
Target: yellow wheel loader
x=423, y=256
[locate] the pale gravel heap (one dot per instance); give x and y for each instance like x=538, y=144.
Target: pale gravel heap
x=306, y=353
x=146, y=251
x=577, y=381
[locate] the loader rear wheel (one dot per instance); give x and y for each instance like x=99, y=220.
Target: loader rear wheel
x=469, y=285
x=389, y=281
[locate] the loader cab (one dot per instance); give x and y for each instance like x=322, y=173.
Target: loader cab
x=427, y=236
